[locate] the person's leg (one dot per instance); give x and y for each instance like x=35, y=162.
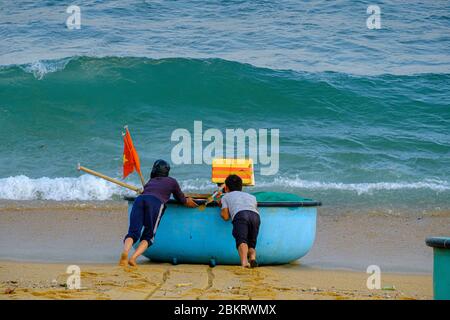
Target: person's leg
x=252, y=238
x=153, y=211
x=240, y=234
x=251, y=254
x=243, y=253
x=127, y=244
x=143, y=245
x=134, y=230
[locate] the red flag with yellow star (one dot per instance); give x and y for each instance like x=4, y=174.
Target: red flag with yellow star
x=130, y=157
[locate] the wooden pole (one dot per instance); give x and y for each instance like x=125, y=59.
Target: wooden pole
x=142, y=179
x=198, y=195
x=118, y=182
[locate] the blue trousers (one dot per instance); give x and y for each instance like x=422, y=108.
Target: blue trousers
x=146, y=213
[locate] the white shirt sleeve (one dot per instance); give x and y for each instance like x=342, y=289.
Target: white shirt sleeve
x=224, y=202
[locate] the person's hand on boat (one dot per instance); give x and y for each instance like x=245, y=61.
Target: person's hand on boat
x=218, y=198
x=190, y=203
x=218, y=195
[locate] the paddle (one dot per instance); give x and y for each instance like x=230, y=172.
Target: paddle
x=210, y=199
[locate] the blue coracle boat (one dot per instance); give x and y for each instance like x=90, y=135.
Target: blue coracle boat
x=287, y=232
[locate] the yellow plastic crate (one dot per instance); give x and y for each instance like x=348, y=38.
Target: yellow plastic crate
x=223, y=167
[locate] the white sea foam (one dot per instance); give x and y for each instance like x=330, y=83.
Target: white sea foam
x=196, y=185
x=359, y=188
x=84, y=187
x=40, y=68
x=88, y=187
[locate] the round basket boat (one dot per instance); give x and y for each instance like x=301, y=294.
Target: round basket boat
x=287, y=232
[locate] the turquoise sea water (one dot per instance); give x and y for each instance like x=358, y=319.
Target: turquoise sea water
x=364, y=115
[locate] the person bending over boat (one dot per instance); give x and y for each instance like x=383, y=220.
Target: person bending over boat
x=241, y=207
x=148, y=209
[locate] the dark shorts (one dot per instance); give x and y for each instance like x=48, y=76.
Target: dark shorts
x=146, y=214
x=246, y=227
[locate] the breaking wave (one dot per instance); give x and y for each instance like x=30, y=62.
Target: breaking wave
x=358, y=188
x=42, y=67
x=87, y=187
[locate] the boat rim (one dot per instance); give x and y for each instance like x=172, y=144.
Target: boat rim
x=307, y=203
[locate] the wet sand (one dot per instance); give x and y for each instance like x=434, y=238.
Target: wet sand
x=165, y=281
x=48, y=237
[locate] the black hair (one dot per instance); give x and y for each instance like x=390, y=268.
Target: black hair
x=234, y=182
x=160, y=169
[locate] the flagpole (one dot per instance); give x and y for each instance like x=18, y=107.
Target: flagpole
x=142, y=179
x=139, y=173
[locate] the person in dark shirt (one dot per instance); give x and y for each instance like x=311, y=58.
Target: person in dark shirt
x=148, y=209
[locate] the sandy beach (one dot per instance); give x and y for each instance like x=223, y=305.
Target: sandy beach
x=39, y=240
x=165, y=281
x=340, y=108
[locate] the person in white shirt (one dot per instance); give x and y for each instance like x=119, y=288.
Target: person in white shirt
x=241, y=207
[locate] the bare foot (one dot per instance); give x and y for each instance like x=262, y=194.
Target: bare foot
x=132, y=262
x=123, y=259
x=246, y=265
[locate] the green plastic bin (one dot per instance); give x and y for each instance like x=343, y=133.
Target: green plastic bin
x=441, y=266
